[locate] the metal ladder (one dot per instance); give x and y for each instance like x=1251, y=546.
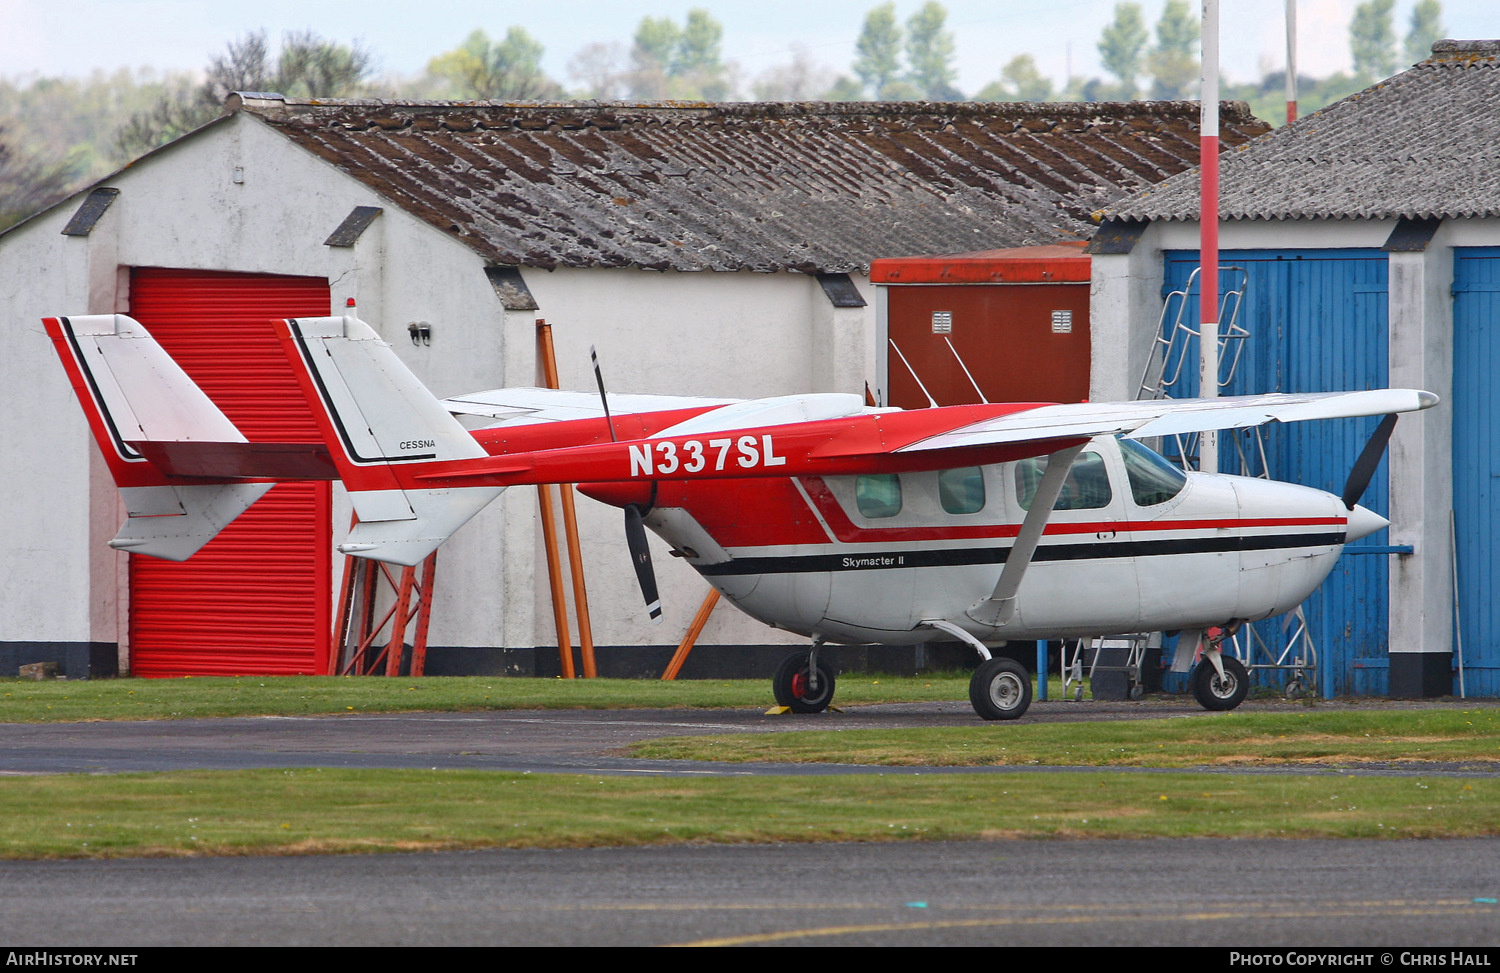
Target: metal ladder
x=1164, y=367
x=1169, y=353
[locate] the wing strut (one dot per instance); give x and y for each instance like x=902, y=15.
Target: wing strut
x=1000, y=606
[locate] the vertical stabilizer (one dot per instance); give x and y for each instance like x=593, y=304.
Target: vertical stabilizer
x=383, y=427
x=133, y=392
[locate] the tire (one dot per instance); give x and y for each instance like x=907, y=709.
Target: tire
x=1213, y=693
x=1000, y=690
x=790, y=684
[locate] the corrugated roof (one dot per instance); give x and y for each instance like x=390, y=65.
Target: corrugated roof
x=767, y=186
x=1423, y=144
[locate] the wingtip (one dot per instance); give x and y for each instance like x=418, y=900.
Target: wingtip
x=1426, y=400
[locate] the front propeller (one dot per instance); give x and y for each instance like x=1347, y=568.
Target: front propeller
x=1369, y=458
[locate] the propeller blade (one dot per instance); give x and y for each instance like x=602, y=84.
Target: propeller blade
x=640, y=553
x=1369, y=458
x=603, y=398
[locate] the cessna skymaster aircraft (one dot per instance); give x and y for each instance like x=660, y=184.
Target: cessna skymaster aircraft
x=812, y=513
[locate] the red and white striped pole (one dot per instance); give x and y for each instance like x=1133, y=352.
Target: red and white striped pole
x=1291, y=61
x=1208, y=247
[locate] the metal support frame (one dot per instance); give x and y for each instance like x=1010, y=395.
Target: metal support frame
x=1296, y=655
x=1072, y=664
x=362, y=650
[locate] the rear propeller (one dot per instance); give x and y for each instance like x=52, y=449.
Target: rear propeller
x=640, y=553
x=1369, y=458
x=635, y=526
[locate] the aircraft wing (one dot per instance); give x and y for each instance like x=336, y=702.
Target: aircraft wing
x=1169, y=417
x=527, y=405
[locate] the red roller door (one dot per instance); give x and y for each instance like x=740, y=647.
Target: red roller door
x=256, y=600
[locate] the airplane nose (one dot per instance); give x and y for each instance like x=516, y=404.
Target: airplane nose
x=1363, y=522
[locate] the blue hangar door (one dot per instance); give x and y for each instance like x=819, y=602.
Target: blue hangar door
x=1476, y=462
x=1318, y=322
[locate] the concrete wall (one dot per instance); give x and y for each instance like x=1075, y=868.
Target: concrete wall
x=239, y=197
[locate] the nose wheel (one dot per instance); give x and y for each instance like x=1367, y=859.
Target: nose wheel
x=1220, y=692
x=803, y=683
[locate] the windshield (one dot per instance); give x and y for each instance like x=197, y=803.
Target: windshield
x=1153, y=479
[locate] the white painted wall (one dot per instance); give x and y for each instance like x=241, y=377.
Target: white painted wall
x=240, y=197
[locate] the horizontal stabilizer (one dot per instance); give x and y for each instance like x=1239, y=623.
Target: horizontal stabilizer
x=174, y=522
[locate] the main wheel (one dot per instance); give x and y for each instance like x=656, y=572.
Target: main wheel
x=1214, y=693
x=1000, y=690
x=793, y=684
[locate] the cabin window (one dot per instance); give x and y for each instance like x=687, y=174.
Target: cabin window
x=1086, y=488
x=1153, y=479
x=878, y=495
x=962, y=491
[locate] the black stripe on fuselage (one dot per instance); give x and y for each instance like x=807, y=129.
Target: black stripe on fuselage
x=946, y=557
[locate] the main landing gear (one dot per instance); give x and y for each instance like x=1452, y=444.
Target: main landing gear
x=803, y=683
x=1000, y=689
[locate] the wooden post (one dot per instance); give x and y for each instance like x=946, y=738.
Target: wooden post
x=554, y=579
x=694, y=630
x=548, y=357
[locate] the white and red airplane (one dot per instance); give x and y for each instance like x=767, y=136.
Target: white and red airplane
x=813, y=513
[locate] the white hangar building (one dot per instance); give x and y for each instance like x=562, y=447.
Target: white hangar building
x=704, y=249
x=1366, y=239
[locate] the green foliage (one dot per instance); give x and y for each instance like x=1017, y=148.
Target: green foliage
x=1019, y=81
x=1372, y=40
x=686, y=62
x=307, y=66
x=1426, y=26
x=508, y=69
x=155, y=699
x=1342, y=736
x=877, y=53
x=930, y=52
x=1123, y=45
x=1173, y=62
x=1267, y=97
x=29, y=183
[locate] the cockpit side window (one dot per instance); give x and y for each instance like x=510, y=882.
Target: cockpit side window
x=1153, y=479
x=1086, y=488
x=878, y=495
x=961, y=491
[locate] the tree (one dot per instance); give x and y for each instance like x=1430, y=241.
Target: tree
x=307, y=67
x=802, y=80
x=1372, y=40
x=877, y=53
x=599, y=69
x=509, y=69
x=929, y=53
x=1426, y=27
x=699, y=64
x=1019, y=81
x=1122, y=46
x=669, y=61
x=1173, y=66
x=28, y=184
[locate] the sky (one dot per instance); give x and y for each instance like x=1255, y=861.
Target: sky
x=75, y=37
